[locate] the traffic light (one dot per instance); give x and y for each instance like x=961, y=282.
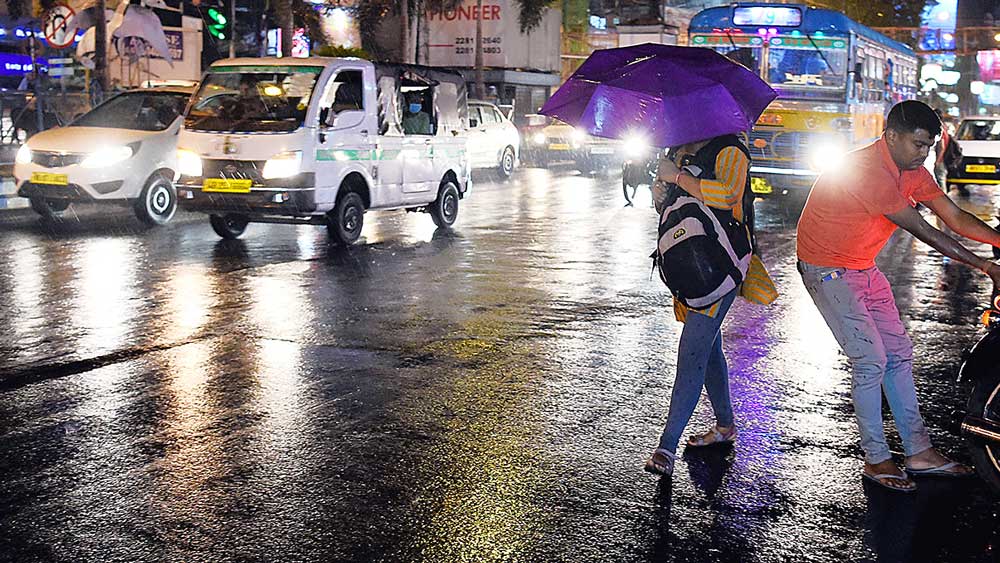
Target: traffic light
x=217, y=24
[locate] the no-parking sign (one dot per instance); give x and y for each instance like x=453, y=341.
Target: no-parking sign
x=60, y=26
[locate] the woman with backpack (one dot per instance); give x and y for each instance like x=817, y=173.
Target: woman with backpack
x=712, y=175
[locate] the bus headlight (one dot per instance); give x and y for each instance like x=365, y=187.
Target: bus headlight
x=284, y=165
x=635, y=146
x=188, y=163
x=826, y=156
x=538, y=138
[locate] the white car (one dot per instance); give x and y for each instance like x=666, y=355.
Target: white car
x=979, y=139
x=123, y=152
x=494, y=141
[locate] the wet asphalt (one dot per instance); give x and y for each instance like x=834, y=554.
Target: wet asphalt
x=485, y=393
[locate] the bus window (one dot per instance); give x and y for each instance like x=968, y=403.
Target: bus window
x=791, y=67
x=746, y=56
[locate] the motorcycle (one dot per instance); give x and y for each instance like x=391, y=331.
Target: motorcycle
x=639, y=168
x=980, y=423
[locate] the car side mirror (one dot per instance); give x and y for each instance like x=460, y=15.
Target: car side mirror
x=858, y=71
x=473, y=124
x=348, y=119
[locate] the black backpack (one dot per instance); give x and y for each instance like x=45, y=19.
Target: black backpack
x=703, y=253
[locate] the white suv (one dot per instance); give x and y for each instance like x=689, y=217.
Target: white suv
x=494, y=141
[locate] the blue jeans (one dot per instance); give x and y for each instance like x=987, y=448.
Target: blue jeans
x=859, y=308
x=700, y=362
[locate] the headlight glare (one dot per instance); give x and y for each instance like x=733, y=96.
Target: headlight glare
x=107, y=156
x=284, y=165
x=826, y=156
x=538, y=138
x=23, y=155
x=578, y=136
x=188, y=163
x=636, y=146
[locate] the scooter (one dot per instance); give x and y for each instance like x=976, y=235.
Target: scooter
x=980, y=423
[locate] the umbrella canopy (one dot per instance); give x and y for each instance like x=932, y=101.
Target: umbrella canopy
x=670, y=95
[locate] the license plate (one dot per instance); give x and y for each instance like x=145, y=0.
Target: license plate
x=602, y=150
x=981, y=168
x=49, y=178
x=559, y=147
x=760, y=186
x=226, y=185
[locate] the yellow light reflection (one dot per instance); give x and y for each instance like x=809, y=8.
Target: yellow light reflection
x=105, y=294
x=188, y=300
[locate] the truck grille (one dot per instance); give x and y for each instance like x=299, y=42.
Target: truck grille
x=234, y=169
x=54, y=159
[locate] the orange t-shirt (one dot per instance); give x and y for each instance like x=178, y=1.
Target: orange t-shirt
x=844, y=223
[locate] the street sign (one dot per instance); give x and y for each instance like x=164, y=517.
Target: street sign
x=60, y=27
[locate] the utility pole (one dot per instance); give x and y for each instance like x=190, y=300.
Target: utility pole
x=480, y=85
x=101, y=48
x=232, y=29
x=404, y=29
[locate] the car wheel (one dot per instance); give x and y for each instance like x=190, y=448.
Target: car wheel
x=506, y=164
x=229, y=227
x=346, y=220
x=444, y=210
x=49, y=208
x=157, y=202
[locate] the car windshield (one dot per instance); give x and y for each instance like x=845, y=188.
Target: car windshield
x=803, y=66
x=253, y=99
x=976, y=130
x=142, y=111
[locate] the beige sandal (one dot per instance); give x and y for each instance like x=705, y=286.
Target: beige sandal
x=664, y=467
x=713, y=437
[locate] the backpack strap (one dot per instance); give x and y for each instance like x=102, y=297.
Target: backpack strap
x=705, y=160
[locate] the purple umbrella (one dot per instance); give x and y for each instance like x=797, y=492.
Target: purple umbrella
x=670, y=95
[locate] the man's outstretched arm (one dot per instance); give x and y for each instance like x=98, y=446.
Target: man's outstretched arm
x=963, y=222
x=911, y=221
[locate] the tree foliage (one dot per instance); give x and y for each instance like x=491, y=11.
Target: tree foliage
x=882, y=13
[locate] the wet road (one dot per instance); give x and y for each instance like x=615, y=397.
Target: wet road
x=487, y=393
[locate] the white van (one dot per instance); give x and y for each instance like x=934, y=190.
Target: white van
x=322, y=140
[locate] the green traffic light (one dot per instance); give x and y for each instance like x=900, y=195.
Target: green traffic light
x=216, y=16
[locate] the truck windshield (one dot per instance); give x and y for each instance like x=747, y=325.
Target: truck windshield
x=252, y=99
x=142, y=111
x=805, y=66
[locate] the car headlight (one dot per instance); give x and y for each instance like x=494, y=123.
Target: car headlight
x=538, y=138
x=826, y=156
x=578, y=136
x=23, y=155
x=188, y=163
x=108, y=156
x=636, y=146
x=284, y=165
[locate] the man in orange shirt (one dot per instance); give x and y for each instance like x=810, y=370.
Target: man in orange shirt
x=847, y=220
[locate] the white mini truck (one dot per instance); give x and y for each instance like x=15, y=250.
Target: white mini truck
x=321, y=141
x=121, y=152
